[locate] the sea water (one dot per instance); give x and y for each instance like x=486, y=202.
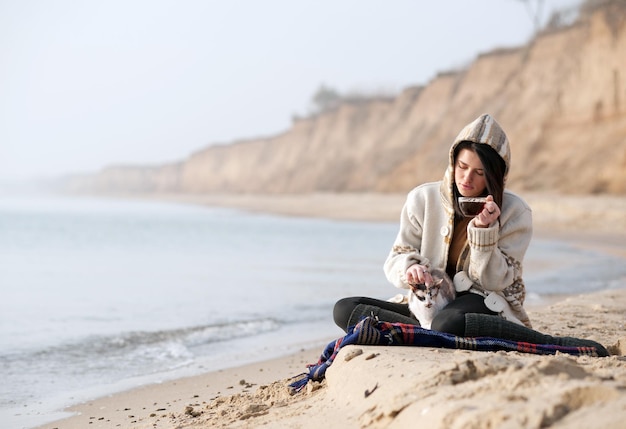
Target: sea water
x=101, y=295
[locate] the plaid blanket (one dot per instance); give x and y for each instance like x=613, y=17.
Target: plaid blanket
x=370, y=331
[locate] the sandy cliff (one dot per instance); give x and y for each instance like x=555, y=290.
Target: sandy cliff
x=561, y=99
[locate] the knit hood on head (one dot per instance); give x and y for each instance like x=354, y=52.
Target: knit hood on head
x=483, y=130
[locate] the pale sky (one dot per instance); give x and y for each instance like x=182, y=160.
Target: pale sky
x=86, y=84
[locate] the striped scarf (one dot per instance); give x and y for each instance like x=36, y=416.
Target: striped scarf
x=370, y=331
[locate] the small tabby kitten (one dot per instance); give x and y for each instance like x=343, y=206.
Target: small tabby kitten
x=425, y=302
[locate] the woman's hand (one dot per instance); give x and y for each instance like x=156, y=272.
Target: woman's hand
x=489, y=214
x=418, y=274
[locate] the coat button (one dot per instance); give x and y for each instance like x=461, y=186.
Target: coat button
x=444, y=231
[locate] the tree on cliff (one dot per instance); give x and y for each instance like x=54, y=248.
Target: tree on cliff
x=562, y=17
x=534, y=12
x=325, y=99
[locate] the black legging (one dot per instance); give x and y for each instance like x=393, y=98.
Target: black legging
x=451, y=319
x=344, y=308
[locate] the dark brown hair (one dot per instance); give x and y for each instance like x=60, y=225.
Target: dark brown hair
x=493, y=166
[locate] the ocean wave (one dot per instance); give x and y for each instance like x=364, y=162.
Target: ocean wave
x=94, y=359
x=121, y=344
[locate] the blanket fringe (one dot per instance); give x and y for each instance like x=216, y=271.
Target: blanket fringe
x=370, y=331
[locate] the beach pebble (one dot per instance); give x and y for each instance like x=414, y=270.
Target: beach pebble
x=191, y=412
x=352, y=353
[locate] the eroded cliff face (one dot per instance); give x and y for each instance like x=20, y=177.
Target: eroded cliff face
x=561, y=99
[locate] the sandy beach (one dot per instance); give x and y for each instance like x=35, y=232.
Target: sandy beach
x=377, y=387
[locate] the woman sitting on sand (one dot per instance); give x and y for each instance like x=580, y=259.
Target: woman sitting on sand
x=483, y=254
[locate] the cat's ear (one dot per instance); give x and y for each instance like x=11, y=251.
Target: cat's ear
x=438, y=282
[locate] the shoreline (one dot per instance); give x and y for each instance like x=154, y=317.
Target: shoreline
x=257, y=394
x=594, y=220
x=154, y=404
x=241, y=394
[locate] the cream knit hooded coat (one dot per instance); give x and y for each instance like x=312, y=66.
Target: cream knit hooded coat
x=491, y=262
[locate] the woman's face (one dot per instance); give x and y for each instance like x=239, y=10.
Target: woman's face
x=469, y=174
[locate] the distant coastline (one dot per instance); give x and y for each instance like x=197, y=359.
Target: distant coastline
x=561, y=215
